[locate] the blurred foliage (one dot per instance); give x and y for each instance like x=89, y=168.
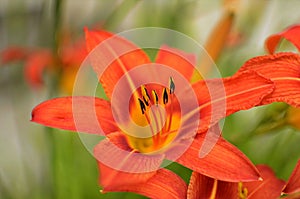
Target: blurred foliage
x=38, y=162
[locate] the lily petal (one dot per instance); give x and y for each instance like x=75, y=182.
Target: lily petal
x=291, y=34
x=224, y=162
x=120, y=166
x=74, y=54
x=269, y=188
x=284, y=70
x=180, y=61
x=13, y=54
x=81, y=114
x=164, y=184
x=293, y=184
x=35, y=66
x=113, y=57
x=204, y=187
x=221, y=97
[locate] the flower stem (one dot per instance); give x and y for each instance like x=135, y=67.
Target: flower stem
x=119, y=14
x=50, y=132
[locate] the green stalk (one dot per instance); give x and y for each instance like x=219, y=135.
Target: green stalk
x=50, y=132
x=57, y=23
x=119, y=14
x=274, y=119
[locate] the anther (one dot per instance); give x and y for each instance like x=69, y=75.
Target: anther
x=142, y=105
x=155, y=97
x=146, y=101
x=145, y=95
x=165, y=96
x=172, y=86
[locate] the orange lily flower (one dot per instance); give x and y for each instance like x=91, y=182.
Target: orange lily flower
x=37, y=61
x=291, y=34
x=270, y=187
x=201, y=186
x=283, y=70
x=140, y=166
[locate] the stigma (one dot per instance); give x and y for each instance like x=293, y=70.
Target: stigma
x=242, y=191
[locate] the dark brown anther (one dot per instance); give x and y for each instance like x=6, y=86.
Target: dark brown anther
x=142, y=106
x=172, y=86
x=165, y=96
x=155, y=97
x=145, y=95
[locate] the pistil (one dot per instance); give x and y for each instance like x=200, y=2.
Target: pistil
x=242, y=191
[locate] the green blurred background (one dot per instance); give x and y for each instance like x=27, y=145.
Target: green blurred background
x=38, y=162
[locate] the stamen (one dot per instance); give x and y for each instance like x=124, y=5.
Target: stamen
x=146, y=101
x=151, y=128
x=172, y=86
x=160, y=122
x=242, y=191
x=145, y=95
x=165, y=96
x=214, y=190
x=155, y=97
x=142, y=106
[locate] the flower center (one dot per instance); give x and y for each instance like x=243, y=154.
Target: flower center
x=157, y=107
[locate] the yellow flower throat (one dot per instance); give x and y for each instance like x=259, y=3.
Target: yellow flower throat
x=159, y=109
